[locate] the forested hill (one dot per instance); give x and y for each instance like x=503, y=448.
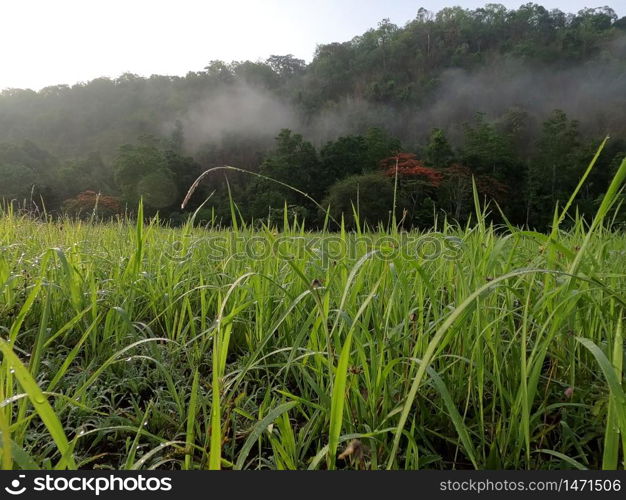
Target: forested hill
x=516, y=98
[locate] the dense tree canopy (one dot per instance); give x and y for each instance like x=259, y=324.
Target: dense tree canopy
x=515, y=99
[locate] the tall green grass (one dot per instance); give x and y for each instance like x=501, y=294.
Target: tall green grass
x=132, y=345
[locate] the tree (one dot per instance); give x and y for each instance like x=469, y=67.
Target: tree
x=183, y=170
x=142, y=171
x=341, y=158
x=28, y=172
x=331, y=75
x=380, y=145
x=416, y=184
x=17, y=183
x=406, y=166
x=456, y=190
x=286, y=66
x=399, y=79
x=219, y=72
x=257, y=74
x=438, y=152
x=487, y=151
x=385, y=32
x=371, y=195
x=177, y=138
x=89, y=203
x=555, y=169
x=85, y=174
x=293, y=162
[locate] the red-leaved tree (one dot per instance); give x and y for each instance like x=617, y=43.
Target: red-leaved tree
x=451, y=186
x=417, y=185
x=409, y=167
x=85, y=203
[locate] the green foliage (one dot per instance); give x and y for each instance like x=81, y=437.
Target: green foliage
x=140, y=164
x=356, y=103
x=438, y=152
x=486, y=150
x=85, y=174
x=353, y=155
x=131, y=345
x=156, y=175
x=293, y=161
x=380, y=144
x=341, y=158
x=17, y=181
x=370, y=195
x=554, y=171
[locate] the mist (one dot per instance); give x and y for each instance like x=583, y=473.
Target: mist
x=242, y=109
x=593, y=92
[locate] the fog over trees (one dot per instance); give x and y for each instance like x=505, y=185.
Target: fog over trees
x=517, y=100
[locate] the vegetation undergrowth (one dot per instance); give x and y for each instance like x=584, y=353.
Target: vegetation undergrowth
x=134, y=345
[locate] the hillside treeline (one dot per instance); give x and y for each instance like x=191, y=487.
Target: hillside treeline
x=516, y=100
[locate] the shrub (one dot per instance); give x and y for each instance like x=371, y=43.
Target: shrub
x=88, y=203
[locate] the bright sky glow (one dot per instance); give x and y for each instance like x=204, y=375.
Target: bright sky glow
x=48, y=42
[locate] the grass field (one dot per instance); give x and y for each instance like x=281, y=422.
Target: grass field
x=132, y=345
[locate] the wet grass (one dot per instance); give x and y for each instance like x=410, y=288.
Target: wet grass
x=132, y=345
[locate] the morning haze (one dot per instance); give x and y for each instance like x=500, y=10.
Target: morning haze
x=287, y=235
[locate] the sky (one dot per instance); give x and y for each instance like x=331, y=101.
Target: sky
x=49, y=42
